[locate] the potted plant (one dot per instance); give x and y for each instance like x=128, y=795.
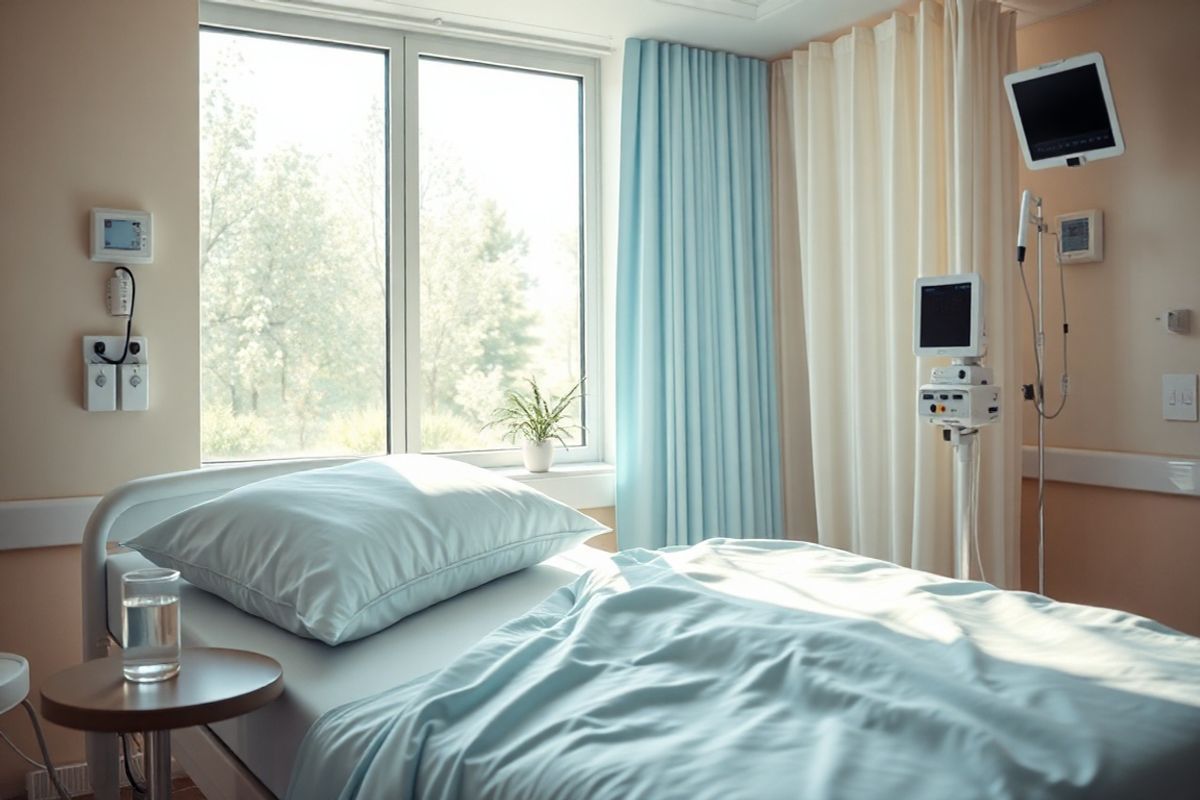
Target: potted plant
x=538, y=421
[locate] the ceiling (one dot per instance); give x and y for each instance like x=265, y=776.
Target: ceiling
x=764, y=28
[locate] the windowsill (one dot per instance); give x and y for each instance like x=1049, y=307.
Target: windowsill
x=568, y=470
x=589, y=484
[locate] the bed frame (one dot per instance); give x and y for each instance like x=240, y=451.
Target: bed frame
x=123, y=513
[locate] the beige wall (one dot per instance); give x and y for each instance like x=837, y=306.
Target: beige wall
x=605, y=516
x=100, y=108
x=1129, y=550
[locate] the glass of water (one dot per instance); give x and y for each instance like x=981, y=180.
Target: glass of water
x=150, y=624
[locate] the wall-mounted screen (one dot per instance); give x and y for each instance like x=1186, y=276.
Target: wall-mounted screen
x=1064, y=112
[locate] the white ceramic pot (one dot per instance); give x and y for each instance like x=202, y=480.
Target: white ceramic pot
x=539, y=456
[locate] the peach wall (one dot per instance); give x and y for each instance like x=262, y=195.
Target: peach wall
x=1151, y=202
x=1130, y=550
x=40, y=619
x=100, y=107
x=1135, y=551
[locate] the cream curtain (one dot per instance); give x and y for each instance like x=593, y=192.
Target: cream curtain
x=904, y=165
x=796, y=457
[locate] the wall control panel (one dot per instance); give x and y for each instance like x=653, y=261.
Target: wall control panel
x=959, y=404
x=122, y=237
x=1081, y=237
x=123, y=386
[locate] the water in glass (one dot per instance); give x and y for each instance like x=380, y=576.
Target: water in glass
x=151, y=637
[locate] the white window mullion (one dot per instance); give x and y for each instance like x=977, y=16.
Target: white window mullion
x=410, y=276
x=398, y=290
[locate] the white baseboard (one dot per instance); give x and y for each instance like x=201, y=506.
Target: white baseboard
x=1137, y=472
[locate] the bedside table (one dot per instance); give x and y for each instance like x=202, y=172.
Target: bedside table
x=213, y=684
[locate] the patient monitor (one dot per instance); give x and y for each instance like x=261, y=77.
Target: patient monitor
x=961, y=397
x=948, y=321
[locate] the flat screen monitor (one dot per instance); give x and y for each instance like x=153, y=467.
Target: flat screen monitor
x=948, y=318
x=1064, y=112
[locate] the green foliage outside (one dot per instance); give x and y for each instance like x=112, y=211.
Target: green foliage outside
x=294, y=285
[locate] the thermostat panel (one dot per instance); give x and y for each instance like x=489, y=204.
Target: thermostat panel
x=1080, y=237
x=122, y=237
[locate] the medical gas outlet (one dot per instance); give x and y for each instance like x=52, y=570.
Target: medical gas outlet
x=124, y=385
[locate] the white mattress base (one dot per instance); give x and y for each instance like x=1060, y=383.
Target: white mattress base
x=319, y=678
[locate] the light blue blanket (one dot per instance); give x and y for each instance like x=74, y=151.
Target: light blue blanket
x=781, y=670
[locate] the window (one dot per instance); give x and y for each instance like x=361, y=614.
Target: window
x=293, y=266
x=395, y=231
x=500, y=180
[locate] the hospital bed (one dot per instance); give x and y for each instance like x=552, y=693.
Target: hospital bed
x=869, y=668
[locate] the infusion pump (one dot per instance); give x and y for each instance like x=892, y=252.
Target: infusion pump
x=959, y=404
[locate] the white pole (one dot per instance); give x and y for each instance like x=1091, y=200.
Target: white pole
x=964, y=509
x=1040, y=344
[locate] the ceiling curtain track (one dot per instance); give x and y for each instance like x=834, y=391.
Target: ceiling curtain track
x=904, y=165
x=697, y=417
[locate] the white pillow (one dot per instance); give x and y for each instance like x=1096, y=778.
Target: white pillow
x=343, y=552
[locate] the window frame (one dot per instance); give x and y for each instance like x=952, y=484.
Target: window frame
x=403, y=50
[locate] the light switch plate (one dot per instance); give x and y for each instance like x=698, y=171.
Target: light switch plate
x=1179, y=397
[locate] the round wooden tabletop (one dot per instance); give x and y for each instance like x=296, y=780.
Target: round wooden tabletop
x=212, y=684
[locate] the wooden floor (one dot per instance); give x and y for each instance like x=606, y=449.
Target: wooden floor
x=181, y=789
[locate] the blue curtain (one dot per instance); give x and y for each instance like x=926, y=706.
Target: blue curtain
x=697, y=418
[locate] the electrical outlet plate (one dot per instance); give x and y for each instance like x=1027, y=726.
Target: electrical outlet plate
x=113, y=345
x=1179, y=397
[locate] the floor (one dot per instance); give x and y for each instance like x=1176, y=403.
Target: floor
x=181, y=789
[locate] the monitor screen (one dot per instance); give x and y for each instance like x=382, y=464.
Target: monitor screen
x=1064, y=113
x=122, y=234
x=946, y=315
x=1075, y=236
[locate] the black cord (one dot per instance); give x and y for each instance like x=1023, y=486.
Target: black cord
x=128, y=322
x=137, y=787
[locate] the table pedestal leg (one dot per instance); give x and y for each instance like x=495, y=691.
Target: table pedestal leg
x=158, y=764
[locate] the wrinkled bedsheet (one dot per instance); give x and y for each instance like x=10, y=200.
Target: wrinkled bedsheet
x=770, y=669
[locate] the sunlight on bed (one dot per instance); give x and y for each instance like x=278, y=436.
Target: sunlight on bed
x=1014, y=627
